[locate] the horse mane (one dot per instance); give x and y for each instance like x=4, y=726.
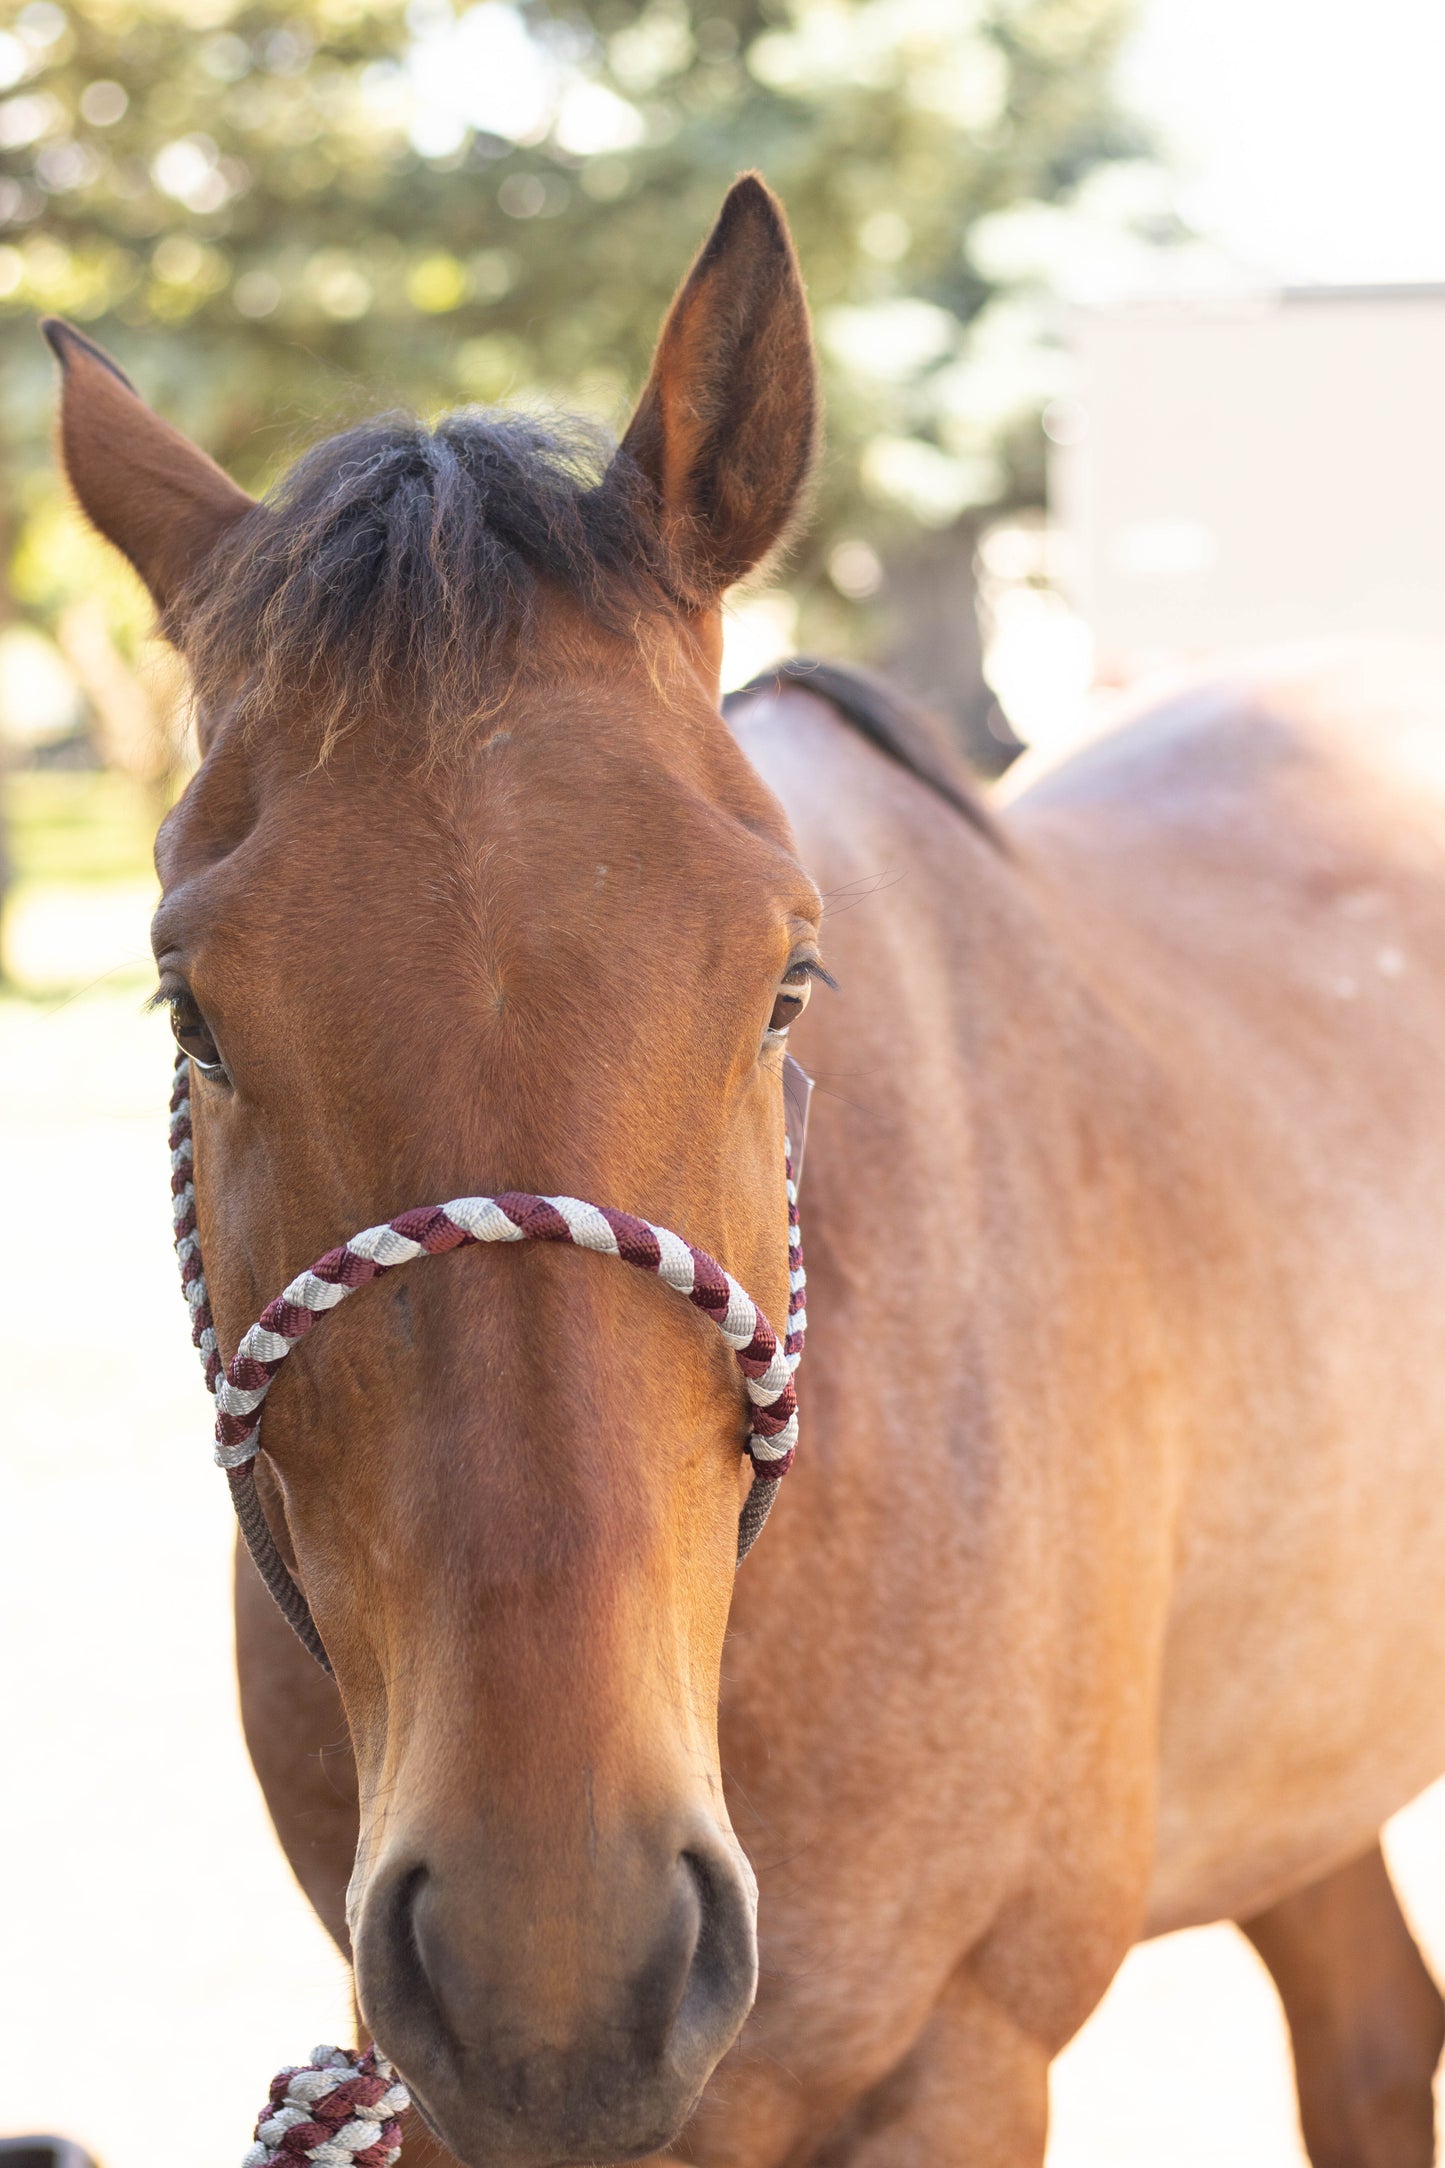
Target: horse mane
x=397, y=571
x=901, y=727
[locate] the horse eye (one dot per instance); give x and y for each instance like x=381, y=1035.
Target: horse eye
x=792, y=999
x=194, y=1035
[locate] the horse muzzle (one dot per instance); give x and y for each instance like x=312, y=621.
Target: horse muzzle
x=540, y=2025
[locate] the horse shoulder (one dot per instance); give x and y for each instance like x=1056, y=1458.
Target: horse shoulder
x=1255, y=873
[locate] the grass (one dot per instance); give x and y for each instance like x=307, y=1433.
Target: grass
x=72, y=827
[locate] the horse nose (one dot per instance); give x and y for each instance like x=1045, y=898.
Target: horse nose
x=526, y=2044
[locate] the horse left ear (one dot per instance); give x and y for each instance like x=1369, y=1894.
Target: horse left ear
x=727, y=426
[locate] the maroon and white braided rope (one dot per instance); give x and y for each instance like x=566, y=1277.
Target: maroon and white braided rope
x=337, y=2109
x=517, y=1216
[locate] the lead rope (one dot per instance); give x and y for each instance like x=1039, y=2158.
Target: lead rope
x=341, y=2108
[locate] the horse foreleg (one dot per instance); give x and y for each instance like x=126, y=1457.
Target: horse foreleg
x=1365, y=2018
x=973, y=2092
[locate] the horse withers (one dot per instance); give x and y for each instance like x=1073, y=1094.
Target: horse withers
x=1104, y=1596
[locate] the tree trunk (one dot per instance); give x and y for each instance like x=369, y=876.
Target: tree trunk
x=934, y=645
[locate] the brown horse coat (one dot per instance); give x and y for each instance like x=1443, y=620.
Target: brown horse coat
x=1103, y=1597
x=1118, y=1610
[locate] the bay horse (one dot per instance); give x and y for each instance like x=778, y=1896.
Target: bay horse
x=1106, y=1594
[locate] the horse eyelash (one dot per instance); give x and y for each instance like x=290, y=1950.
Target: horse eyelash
x=815, y=970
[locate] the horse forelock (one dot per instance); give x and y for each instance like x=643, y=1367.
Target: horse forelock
x=396, y=577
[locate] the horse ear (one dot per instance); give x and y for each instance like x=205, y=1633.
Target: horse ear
x=727, y=426
x=147, y=488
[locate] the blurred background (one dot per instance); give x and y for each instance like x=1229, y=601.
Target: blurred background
x=1132, y=319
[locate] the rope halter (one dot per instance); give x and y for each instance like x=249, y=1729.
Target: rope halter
x=337, y=2109
x=343, y=2110
x=241, y=1388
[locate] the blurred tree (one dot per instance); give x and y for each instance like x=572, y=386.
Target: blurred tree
x=281, y=213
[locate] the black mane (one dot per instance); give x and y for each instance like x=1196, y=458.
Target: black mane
x=887, y=717
x=397, y=570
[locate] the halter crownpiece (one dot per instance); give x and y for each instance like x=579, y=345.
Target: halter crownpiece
x=516, y=1216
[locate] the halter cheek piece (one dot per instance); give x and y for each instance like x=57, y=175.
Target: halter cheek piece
x=241, y=1389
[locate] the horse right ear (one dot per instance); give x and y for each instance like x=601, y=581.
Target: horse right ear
x=727, y=426
x=147, y=488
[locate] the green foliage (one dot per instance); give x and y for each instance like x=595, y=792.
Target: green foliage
x=283, y=213
x=69, y=830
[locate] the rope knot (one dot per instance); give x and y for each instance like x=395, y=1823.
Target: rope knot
x=336, y=2110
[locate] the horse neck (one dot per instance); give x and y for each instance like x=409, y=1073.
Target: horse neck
x=988, y=1099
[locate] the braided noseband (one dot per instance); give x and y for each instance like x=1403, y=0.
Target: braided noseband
x=342, y=2109
x=517, y=1216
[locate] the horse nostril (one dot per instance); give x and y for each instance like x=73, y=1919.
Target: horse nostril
x=405, y=1933
x=697, y=1983
x=659, y=1987
x=704, y=1883
x=722, y=1978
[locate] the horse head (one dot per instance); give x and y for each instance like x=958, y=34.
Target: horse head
x=473, y=892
